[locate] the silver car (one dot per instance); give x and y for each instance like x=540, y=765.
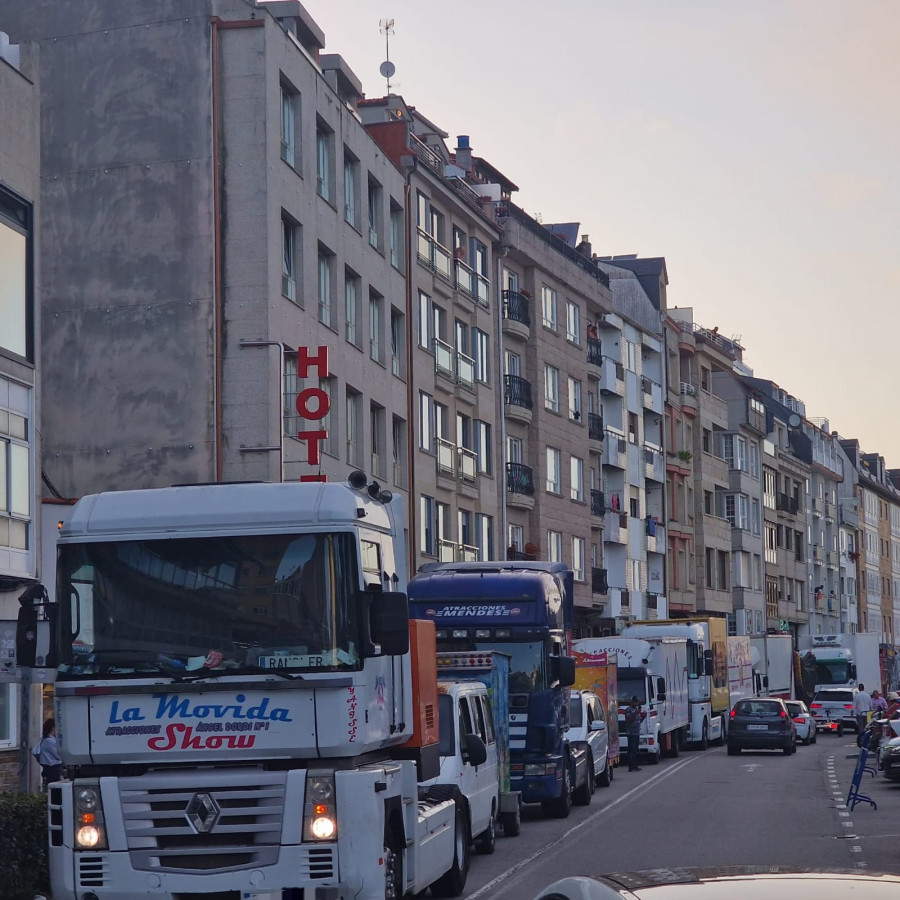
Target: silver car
x=588, y=735
x=806, y=725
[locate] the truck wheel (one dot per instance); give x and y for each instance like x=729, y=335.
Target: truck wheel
x=606, y=776
x=512, y=823
x=561, y=806
x=581, y=796
x=453, y=882
x=704, y=736
x=487, y=841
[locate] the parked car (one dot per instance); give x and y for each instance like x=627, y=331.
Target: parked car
x=761, y=723
x=832, y=708
x=588, y=734
x=803, y=721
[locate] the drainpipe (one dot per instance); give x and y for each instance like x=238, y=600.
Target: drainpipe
x=410, y=398
x=501, y=254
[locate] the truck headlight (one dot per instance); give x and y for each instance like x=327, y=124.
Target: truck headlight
x=90, y=831
x=319, y=810
x=540, y=769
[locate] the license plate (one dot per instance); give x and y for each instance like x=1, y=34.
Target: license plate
x=757, y=728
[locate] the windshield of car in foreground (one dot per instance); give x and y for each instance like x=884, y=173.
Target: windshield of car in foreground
x=273, y=602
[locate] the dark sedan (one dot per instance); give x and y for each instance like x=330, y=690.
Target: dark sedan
x=761, y=724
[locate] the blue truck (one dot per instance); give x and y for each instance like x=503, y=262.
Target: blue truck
x=524, y=610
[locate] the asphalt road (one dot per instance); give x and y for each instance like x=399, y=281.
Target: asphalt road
x=760, y=808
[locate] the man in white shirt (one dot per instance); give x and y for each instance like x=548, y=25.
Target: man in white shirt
x=862, y=706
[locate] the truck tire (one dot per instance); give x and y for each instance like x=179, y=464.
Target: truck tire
x=561, y=806
x=486, y=842
x=704, y=737
x=581, y=796
x=675, y=747
x=511, y=823
x=453, y=882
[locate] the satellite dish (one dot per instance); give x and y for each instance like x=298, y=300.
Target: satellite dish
x=794, y=420
x=387, y=69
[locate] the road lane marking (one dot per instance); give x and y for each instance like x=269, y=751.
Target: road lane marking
x=642, y=787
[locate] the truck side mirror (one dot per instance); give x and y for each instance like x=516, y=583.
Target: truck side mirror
x=389, y=621
x=708, y=663
x=853, y=671
x=565, y=671
x=476, y=752
x=766, y=682
x=26, y=635
x=661, y=690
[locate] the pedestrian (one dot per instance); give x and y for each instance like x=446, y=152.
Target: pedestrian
x=633, y=718
x=862, y=706
x=48, y=755
x=879, y=704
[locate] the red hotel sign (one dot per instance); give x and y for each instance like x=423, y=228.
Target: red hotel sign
x=313, y=404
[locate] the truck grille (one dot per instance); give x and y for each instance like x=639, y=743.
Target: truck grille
x=203, y=821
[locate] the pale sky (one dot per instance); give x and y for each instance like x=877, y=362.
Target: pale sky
x=753, y=143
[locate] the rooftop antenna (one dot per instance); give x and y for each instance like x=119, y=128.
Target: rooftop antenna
x=387, y=68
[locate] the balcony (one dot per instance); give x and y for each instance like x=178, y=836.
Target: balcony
x=653, y=395
x=467, y=463
x=443, y=358
x=516, y=314
x=654, y=463
x=829, y=511
x=616, y=530
x=517, y=398
x=594, y=353
x=598, y=503
x=520, y=485
x=465, y=370
x=831, y=559
x=688, y=395
x=595, y=431
x=433, y=255
x=445, y=453
x=599, y=581
x=465, y=278
x=787, y=504
x=482, y=290
x=615, y=450
x=611, y=376
x=818, y=554
x=816, y=507
x=447, y=551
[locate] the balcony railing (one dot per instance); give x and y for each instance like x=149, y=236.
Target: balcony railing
x=688, y=390
x=599, y=581
x=519, y=479
x=514, y=555
x=482, y=290
x=445, y=452
x=516, y=307
x=518, y=391
x=447, y=551
x=443, y=357
x=787, y=503
x=465, y=278
x=598, y=503
x=434, y=255
x=595, y=427
x=468, y=464
x=594, y=353
x=468, y=553
x=465, y=369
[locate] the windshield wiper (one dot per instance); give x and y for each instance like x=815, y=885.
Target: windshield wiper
x=198, y=674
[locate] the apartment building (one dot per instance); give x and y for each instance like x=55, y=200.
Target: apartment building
x=555, y=302
x=632, y=389
x=207, y=241
x=20, y=460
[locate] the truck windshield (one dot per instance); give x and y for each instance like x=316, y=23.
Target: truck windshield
x=527, y=670
x=221, y=604
x=632, y=687
x=832, y=671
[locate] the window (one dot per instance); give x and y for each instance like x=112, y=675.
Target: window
x=769, y=487
x=573, y=322
x=374, y=198
x=290, y=244
x=576, y=471
x=324, y=159
x=325, y=292
x=427, y=525
x=481, y=353
x=737, y=511
x=515, y=535
x=377, y=438
x=483, y=447
x=351, y=308
x=554, y=546
x=397, y=254
x=551, y=388
x=290, y=102
x=354, y=428
x=9, y=705
x=376, y=327
x=578, y=558
x=426, y=322
x=574, y=400
x=464, y=526
x=351, y=190
x=706, y=440
x=398, y=451
x=426, y=422
x=398, y=343
x=484, y=536
x=514, y=449
x=553, y=471
x=734, y=451
x=548, y=307
x=15, y=469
